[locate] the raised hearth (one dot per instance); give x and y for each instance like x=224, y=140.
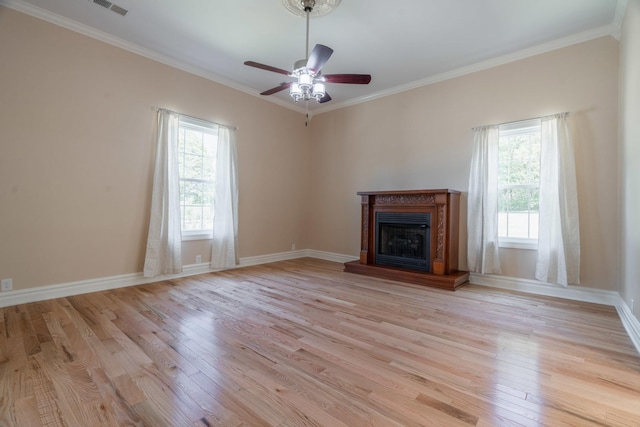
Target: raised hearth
x=411, y=236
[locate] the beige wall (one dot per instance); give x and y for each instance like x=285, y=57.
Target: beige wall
x=630, y=149
x=421, y=139
x=76, y=153
x=76, y=156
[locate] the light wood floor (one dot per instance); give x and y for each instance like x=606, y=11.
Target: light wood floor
x=300, y=343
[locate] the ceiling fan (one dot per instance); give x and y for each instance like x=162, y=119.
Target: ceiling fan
x=309, y=81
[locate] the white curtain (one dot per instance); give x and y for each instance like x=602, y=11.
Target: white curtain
x=164, y=242
x=559, y=236
x=482, y=219
x=224, y=245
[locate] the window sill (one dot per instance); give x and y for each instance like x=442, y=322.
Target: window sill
x=196, y=236
x=528, y=244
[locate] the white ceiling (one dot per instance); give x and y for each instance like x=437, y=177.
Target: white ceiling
x=401, y=43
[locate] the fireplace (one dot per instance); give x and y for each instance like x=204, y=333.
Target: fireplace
x=402, y=240
x=411, y=236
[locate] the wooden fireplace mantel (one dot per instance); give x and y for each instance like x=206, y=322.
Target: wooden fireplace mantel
x=444, y=208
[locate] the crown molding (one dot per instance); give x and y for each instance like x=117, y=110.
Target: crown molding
x=612, y=29
x=608, y=30
x=618, y=18
x=85, y=30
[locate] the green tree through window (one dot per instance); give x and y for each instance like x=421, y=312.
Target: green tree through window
x=197, y=158
x=519, y=180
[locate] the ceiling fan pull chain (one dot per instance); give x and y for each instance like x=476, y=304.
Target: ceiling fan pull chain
x=306, y=115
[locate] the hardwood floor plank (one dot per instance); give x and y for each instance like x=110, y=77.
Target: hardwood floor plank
x=229, y=397
x=160, y=407
x=26, y=412
x=216, y=414
x=44, y=393
x=36, y=310
x=14, y=370
x=118, y=398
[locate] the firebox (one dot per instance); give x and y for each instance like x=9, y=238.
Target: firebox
x=403, y=240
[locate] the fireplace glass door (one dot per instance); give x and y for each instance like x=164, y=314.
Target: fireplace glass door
x=402, y=240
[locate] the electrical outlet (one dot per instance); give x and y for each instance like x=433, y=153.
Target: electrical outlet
x=198, y=259
x=293, y=246
x=7, y=284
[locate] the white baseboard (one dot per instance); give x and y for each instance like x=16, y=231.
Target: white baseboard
x=330, y=256
x=41, y=293
x=576, y=293
x=629, y=321
x=62, y=290
x=280, y=256
x=265, y=259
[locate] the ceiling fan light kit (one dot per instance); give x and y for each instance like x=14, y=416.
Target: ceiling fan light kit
x=306, y=88
x=309, y=82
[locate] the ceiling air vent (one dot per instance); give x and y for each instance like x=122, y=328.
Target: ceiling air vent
x=119, y=10
x=112, y=7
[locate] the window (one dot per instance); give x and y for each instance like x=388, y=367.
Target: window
x=523, y=193
x=197, y=141
x=519, y=184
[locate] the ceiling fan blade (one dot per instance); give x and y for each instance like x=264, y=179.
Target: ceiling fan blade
x=354, y=79
x=276, y=89
x=325, y=98
x=318, y=57
x=266, y=67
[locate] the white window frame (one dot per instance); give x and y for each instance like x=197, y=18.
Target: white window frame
x=510, y=129
x=192, y=123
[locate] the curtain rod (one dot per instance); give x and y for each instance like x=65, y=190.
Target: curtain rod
x=194, y=117
x=523, y=120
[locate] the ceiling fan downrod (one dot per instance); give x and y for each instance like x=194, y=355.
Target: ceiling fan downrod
x=307, y=5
